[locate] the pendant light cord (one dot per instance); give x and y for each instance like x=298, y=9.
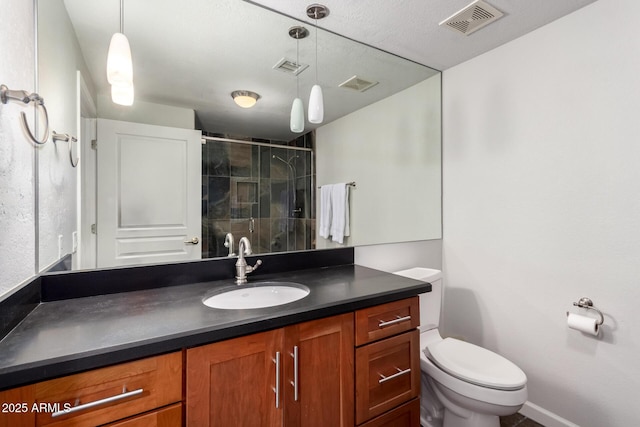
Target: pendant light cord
x=122, y=16
x=298, y=65
x=316, y=16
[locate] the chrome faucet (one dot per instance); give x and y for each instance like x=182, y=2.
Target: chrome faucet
x=244, y=248
x=228, y=243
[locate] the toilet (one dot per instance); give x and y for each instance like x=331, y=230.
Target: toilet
x=462, y=385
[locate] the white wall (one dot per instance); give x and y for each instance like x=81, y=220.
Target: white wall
x=542, y=206
x=146, y=112
x=59, y=58
x=392, y=150
x=17, y=203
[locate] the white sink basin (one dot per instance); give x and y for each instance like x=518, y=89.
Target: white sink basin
x=257, y=295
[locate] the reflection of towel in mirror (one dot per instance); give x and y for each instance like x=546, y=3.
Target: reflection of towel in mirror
x=325, y=211
x=339, y=212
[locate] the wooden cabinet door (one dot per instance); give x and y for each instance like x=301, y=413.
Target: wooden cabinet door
x=323, y=376
x=233, y=382
x=16, y=408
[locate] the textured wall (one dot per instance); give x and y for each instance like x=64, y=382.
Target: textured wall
x=17, y=239
x=541, y=207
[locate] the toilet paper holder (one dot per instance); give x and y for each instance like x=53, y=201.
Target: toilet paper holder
x=585, y=302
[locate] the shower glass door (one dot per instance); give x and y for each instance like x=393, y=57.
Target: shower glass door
x=257, y=190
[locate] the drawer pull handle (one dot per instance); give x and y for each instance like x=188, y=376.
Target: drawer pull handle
x=277, y=387
x=104, y=401
x=382, y=323
x=396, y=375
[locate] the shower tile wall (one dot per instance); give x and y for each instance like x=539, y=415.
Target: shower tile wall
x=250, y=193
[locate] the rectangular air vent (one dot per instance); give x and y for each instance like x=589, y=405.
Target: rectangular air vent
x=472, y=18
x=358, y=83
x=290, y=67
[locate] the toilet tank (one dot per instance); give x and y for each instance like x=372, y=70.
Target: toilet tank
x=430, y=302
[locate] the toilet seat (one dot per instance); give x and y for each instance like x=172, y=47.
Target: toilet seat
x=472, y=391
x=475, y=365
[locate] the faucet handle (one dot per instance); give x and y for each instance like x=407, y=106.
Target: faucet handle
x=255, y=267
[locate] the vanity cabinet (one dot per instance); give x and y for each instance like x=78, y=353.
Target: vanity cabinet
x=387, y=362
x=359, y=368
x=101, y=396
x=300, y=375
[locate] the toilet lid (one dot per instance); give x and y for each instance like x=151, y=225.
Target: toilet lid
x=475, y=364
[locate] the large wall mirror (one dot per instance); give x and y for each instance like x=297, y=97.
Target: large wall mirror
x=381, y=129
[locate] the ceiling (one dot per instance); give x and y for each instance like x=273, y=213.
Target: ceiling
x=193, y=54
x=409, y=28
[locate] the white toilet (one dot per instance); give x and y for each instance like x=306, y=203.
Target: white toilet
x=463, y=385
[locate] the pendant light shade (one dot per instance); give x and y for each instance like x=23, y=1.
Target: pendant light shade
x=316, y=101
x=297, y=116
x=119, y=64
x=122, y=94
x=316, y=105
x=296, y=122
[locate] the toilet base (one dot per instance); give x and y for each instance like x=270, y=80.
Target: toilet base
x=462, y=411
x=475, y=420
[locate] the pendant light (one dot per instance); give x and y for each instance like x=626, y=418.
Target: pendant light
x=297, y=109
x=122, y=94
x=120, y=65
x=316, y=102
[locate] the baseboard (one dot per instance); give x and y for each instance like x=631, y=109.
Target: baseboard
x=544, y=417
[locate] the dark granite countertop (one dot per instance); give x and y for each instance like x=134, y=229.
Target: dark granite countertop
x=68, y=336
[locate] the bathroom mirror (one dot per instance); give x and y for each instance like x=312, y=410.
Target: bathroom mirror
x=187, y=61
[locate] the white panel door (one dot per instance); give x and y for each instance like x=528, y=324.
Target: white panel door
x=149, y=194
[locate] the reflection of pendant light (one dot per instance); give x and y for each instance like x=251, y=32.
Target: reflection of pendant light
x=316, y=102
x=122, y=94
x=120, y=66
x=245, y=98
x=297, y=109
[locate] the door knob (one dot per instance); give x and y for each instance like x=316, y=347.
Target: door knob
x=193, y=241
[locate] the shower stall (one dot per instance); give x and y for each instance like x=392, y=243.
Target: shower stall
x=260, y=190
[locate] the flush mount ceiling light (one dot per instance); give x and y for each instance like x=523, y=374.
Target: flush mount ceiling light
x=245, y=98
x=296, y=122
x=120, y=65
x=316, y=101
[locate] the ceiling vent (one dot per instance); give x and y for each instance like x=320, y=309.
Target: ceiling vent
x=290, y=67
x=472, y=18
x=358, y=83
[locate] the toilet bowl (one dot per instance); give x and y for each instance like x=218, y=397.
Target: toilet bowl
x=463, y=385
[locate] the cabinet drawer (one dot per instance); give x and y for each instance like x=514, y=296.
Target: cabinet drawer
x=170, y=416
x=387, y=374
x=381, y=321
x=113, y=393
x=406, y=415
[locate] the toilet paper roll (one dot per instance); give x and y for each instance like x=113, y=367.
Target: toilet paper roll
x=584, y=324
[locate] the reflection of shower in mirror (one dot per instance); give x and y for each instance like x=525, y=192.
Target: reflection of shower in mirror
x=291, y=191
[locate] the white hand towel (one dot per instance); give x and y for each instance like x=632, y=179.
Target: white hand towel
x=347, y=229
x=324, y=228
x=340, y=211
